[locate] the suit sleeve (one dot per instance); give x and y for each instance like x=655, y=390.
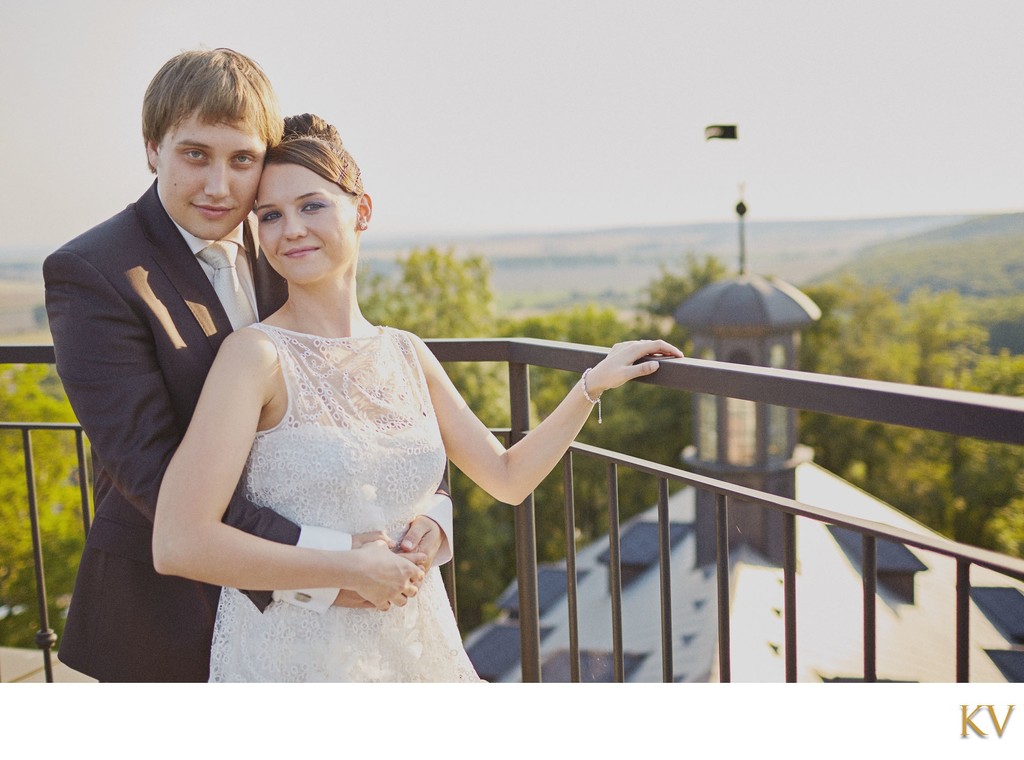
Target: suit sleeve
x=109, y=362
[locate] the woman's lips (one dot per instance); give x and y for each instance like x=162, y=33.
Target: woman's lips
x=299, y=252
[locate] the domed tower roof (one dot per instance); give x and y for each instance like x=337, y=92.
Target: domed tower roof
x=747, y=305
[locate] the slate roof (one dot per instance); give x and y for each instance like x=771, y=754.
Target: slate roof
x=747, y=301
x=1004, y=606
x=890, y=557
x=1009, y=662
x=638, y=544
x=916, y=642
x=497, y=651
x=551, y=587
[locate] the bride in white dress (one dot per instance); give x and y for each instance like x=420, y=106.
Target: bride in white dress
x=342, y=424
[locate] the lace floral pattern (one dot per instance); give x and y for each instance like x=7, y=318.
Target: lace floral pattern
x=358, y=450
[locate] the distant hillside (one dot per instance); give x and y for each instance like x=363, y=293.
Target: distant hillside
x=623, y=258
x=979, y=258
x=549, y=270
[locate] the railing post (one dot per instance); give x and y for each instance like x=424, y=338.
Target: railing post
x=526, y=536
x=869, y=564
x=45, y=637
x=789, y=592
x=665, y=570
x=615, y=573
x=963, y=620
x=569, y=507
x=722, y=565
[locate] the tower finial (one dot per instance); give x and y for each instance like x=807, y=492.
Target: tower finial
x=741, y=210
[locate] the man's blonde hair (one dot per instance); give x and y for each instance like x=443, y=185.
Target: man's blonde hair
x=219, y=87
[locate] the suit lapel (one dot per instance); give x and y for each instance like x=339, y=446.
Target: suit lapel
x=171, y=254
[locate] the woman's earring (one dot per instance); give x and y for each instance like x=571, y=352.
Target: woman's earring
x=363, y=224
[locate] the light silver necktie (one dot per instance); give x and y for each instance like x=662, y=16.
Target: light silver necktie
x=226, y=284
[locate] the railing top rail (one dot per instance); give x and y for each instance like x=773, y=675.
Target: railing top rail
x=974, y=415
x=28, y=353
x=40, y=426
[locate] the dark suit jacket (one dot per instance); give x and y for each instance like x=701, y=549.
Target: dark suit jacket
x=136, y=325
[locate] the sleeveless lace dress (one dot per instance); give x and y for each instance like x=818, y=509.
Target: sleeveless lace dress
x=358, y=450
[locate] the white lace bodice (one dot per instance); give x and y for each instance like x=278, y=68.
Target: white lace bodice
x=365, y=397
x=358, y=450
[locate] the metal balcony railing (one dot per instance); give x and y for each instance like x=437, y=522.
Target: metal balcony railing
x=973, y=415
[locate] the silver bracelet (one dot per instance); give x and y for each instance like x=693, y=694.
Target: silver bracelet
x=587, y=396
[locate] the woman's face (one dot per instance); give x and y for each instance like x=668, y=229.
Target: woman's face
x=308, y=226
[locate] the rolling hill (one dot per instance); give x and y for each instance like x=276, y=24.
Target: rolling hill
x=981, y=257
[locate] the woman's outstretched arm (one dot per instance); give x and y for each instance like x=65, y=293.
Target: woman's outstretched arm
x=510, y=475
x=189, y=538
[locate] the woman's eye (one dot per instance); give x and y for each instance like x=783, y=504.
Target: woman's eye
x=270, y=216
x=313, y=206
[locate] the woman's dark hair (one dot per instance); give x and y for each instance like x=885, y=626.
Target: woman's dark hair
x=312, y=143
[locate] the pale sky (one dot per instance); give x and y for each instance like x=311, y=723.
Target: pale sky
x=475, y=116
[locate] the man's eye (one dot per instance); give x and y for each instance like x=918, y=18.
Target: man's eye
x=195, y=154
x=245, y=159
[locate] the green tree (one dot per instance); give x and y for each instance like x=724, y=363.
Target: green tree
x=967, y=489
x=989, y=477
x=663, y=295
x=857, y=336
x=33, y=394
x=948, y=343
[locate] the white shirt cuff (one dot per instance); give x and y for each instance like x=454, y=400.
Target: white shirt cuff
x=440, y=511
x=316, y=599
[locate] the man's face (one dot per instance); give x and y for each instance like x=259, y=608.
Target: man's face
x=208, y=175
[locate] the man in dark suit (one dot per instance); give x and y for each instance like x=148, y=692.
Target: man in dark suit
x=137, y=316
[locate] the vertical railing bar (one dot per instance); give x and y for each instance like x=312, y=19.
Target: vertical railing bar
x=615, y=571
x=869, y=565
x=665, y=568
x=83, y=481
x=722, y=568
x=569, y=507
x=448, y=569
x=45, y=637
x=789, y=591
x=526, y=534
x=963, y=623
